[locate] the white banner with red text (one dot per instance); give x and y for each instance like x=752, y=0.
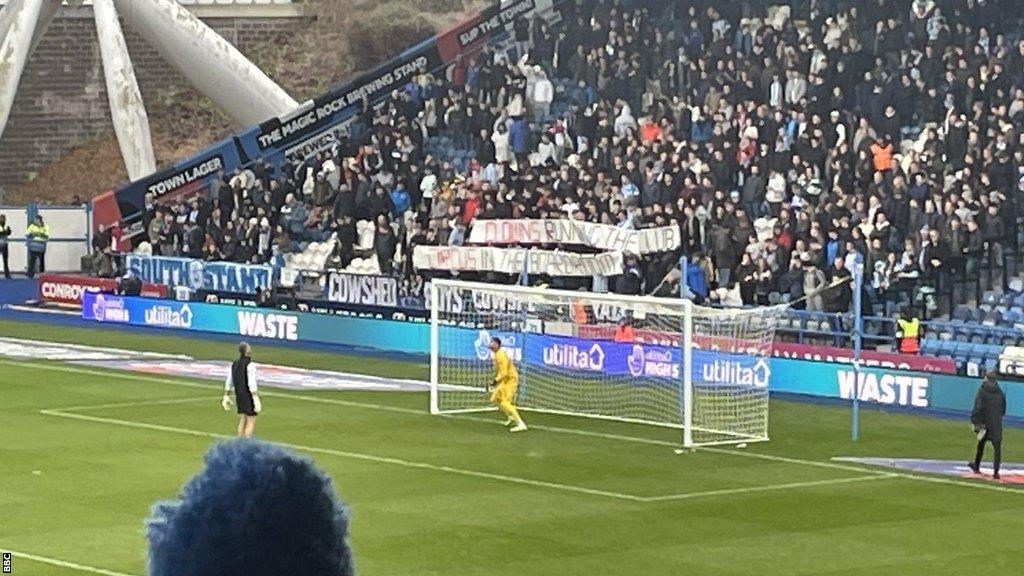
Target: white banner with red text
x=510, y=261
x=572, y=232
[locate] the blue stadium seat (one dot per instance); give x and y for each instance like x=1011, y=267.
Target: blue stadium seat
x=966, y=332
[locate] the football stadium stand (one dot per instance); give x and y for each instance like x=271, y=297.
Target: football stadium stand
x=778, y=148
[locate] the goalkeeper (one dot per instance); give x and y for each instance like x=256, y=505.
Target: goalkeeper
x=503, y=389
x=242, y=380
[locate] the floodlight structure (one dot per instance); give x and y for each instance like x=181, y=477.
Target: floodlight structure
x=209, y=62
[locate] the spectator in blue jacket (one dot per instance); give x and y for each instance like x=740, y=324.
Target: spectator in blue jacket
x=297, y=216
x=696, y=280
x=518, y=137
x=400, y=198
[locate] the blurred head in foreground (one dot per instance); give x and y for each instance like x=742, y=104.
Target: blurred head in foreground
x=256, y=509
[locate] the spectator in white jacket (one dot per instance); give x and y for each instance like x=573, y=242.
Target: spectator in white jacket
x=428, y=185
x=796, y=88
x=543, y=95
x=502, y=150
x=545, y=150
x=775, y=192
x=625, y=123
x=775, y=90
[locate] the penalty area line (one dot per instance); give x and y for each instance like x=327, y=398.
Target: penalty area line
x=140, y=403
x=769, y=488
x=357, y=456
x=63, y=563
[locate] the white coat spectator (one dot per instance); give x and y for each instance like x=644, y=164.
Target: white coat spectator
x=776, y=189
x=796, y=88
x=502, y=150
x=625, y=123
x=543, y=95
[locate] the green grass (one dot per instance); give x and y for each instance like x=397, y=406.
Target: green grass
x=566, y=498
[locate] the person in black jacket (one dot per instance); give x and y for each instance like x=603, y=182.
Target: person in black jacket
x=987, y=418
x=385, y=244
x=5, y=232
x=241, y=380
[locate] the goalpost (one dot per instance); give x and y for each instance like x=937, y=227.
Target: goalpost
x=701, y=370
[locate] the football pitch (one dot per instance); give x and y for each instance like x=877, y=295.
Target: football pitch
x=87, y=451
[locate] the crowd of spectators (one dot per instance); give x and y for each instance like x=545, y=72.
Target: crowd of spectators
x=788, y=144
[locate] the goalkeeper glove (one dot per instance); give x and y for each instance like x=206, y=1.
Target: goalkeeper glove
x=225, y=402
x=256, y=404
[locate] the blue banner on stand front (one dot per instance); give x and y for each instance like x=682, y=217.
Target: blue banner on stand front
x=200, y=275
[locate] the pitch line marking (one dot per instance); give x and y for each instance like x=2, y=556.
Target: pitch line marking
x=355, y=456
x=64, y=563
x=769, y=488
x=965, y=483
x=635, y=439
x=195, y=399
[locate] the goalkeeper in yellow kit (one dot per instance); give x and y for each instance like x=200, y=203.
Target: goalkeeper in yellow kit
x=503, y=389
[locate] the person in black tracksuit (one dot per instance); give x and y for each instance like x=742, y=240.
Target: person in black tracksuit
x=5, y=233
x=242, y=379
x=987, y=418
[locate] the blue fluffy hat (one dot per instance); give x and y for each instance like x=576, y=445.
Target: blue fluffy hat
x=255, y=510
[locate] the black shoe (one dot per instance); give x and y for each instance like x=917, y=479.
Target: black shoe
x=995, y=476
x=974, y=467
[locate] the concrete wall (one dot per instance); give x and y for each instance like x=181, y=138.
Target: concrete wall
x=62, y=100
x=70, y=239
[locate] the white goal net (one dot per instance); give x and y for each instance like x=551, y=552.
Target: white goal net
x=664, y=362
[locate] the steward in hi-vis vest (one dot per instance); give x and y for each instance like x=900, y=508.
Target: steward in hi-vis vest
x=909, y=333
